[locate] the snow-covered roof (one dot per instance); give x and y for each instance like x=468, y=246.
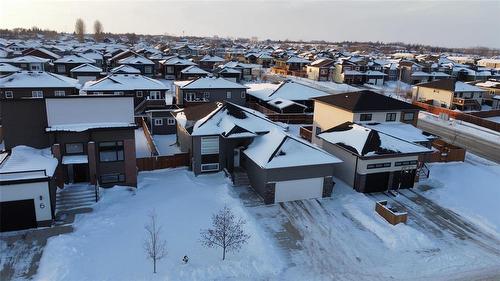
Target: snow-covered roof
x=25, y=158
x=283, y=103
x=177, y=61
x=5, y=67
x=193, y=69
x=295, y=91
x=209, y=58
x=464, y=87
x=365, y=141
x=420, y=74
x=26, y=59
x=278, y=149
x=375, y=73
x=403, y=131
x=125, y=69
x=86, y=68
x=140, y=60
x=297, y=60
x=74, y=59
x=37, y=79
x=124, y=82
x=212, y=83
x=261, y=90
x=81, y=127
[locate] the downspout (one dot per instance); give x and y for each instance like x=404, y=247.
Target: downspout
x=355, y=172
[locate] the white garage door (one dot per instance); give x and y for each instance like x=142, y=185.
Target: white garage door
x=298, y=189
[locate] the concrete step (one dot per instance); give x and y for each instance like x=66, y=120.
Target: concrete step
x=75, y=197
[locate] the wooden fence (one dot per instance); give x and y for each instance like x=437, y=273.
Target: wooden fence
x=445, y=153
x=149, y=137
x=466, y=117
x=289, y=118
x=306, y=132
x=163, y=162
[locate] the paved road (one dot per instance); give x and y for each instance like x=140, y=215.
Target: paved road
x=474, y=143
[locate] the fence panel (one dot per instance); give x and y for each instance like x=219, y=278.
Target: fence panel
x=163, y=162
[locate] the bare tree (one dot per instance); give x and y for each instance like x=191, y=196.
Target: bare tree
x=98, y=31
x=80, y=29
x=155, y=248
x=227, y=232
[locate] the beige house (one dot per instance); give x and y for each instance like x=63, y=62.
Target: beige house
x=449, y=93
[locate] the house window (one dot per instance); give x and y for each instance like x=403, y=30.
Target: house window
x=209, y=167
x=155, y=95
x=405, y=163
x=206, y=96
x=365, y=117
x=190, y=96
x=61, y=68
x=408, y=116
x=378, y=165
x=243, y=94
x=111, y=151
x=390, y=117
x=35, y=67
x=118, y=93
x=210, y=145
x=170, y=69
x=8, y=94
x=74, y=148
x=37, y=94
x=138, y=94
x=98, y=93
x=148, y=69
x=59, y=93
x=228, y=95
x=170, y=121
x=158, y=121
x=112, y=178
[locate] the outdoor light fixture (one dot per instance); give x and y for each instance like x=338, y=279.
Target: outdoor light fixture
x=41, y=197
x=42, y=206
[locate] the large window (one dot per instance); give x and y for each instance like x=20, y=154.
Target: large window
x=148, y=69
x=378, y=165
x=365, y=117
x=390, y=117
x=60, y=93
x=61, y=68
x=210, y=145
x=37, y=94
x=111, y=151
x=155, y=95
x=74, y=148
x=170, y=69
x=408, y=116
x=112, y=178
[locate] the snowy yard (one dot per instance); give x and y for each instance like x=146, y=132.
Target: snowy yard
x=166, y=144
x=141, y=144
x=494, y=119
x=338, y=238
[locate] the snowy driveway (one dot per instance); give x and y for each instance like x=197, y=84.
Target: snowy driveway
x=342, y=238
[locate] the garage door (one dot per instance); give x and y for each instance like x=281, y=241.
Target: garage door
x=15, y=215
x=376, y=182
x=83, y=79
x=298, y=189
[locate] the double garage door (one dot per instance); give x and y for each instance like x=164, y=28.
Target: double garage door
x=298, y=189
x=16, y=215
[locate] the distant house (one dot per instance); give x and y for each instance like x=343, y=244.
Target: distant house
x=144, y=65
x=125, y=69
x=321, y=69
x=6, y=68
x=254, y=150
x=293, y=65
x=142, y=88
x=450, y=93
x=31, y=63
x=209, y=89
x=36, y=84
x=64, y=65
x=209, y=62
x=161, y=121
x=41, y=53
x=351, y=71
x=86, y=72
x=193, y=72
x=172, y=68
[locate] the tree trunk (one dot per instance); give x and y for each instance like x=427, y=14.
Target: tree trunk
x=154, y=265
x=223, y=253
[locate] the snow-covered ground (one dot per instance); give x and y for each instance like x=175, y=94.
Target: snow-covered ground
x=494, y=119
x=107, y=244
x=166, y=144
x=470, y=188
x=141, y=144
x=338, y=238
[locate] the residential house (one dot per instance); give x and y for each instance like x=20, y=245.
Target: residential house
x=279, y=166
x=41, y=53
x=144, y=65
x=36, y=84
x=193, y=72
x=125, y=69
x=142, y=88
x=31, y=63
x=6, y=69
x=172, y=68
x=86, y=72
x=64, y=65
x=161, y=121
x=209, y=89
x=449, y=93
x=321, y=69
x=209, y=62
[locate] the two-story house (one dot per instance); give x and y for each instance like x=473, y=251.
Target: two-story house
x=64, y=65
x=209, y=89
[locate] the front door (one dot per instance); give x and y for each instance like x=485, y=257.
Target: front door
x=236, y=161
x=80, y=172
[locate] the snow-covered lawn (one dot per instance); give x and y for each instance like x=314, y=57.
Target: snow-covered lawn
x=470, y=188
x=338, y=238
x=141, y=144
x=107, y=244
x=494, y=119
x=166, y=144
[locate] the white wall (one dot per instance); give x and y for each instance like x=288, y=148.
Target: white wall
x=363, y=163
x=26, y=191
x=62, y=111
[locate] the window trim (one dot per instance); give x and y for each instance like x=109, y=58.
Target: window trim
x=209, y=164
x=412, y=116
x=118, y=93
x=74, y=153
x=378, y=165
x=406, y=163
x=60, y=93
x=34, y=94
x=158, y=121
x=209, y=138
x=170, y=121
x=228, y=95
x=117, y=175
x=139, y=94
x=388, y=115
x=9, y=95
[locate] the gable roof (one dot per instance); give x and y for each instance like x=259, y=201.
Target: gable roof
x=193, y=69
x=74, y=59
x=5, y=67
x=212, y=83
x=365, y=100
x=37, y=79
x=86, y=68
x=449, y=84
x=125, y=69
x=365, y=141
x=124, y=82
x=136, y=59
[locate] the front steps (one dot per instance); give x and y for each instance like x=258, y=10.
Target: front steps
x=240, y=178
x=75, y=197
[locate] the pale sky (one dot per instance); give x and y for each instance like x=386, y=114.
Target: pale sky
x=444, y=23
